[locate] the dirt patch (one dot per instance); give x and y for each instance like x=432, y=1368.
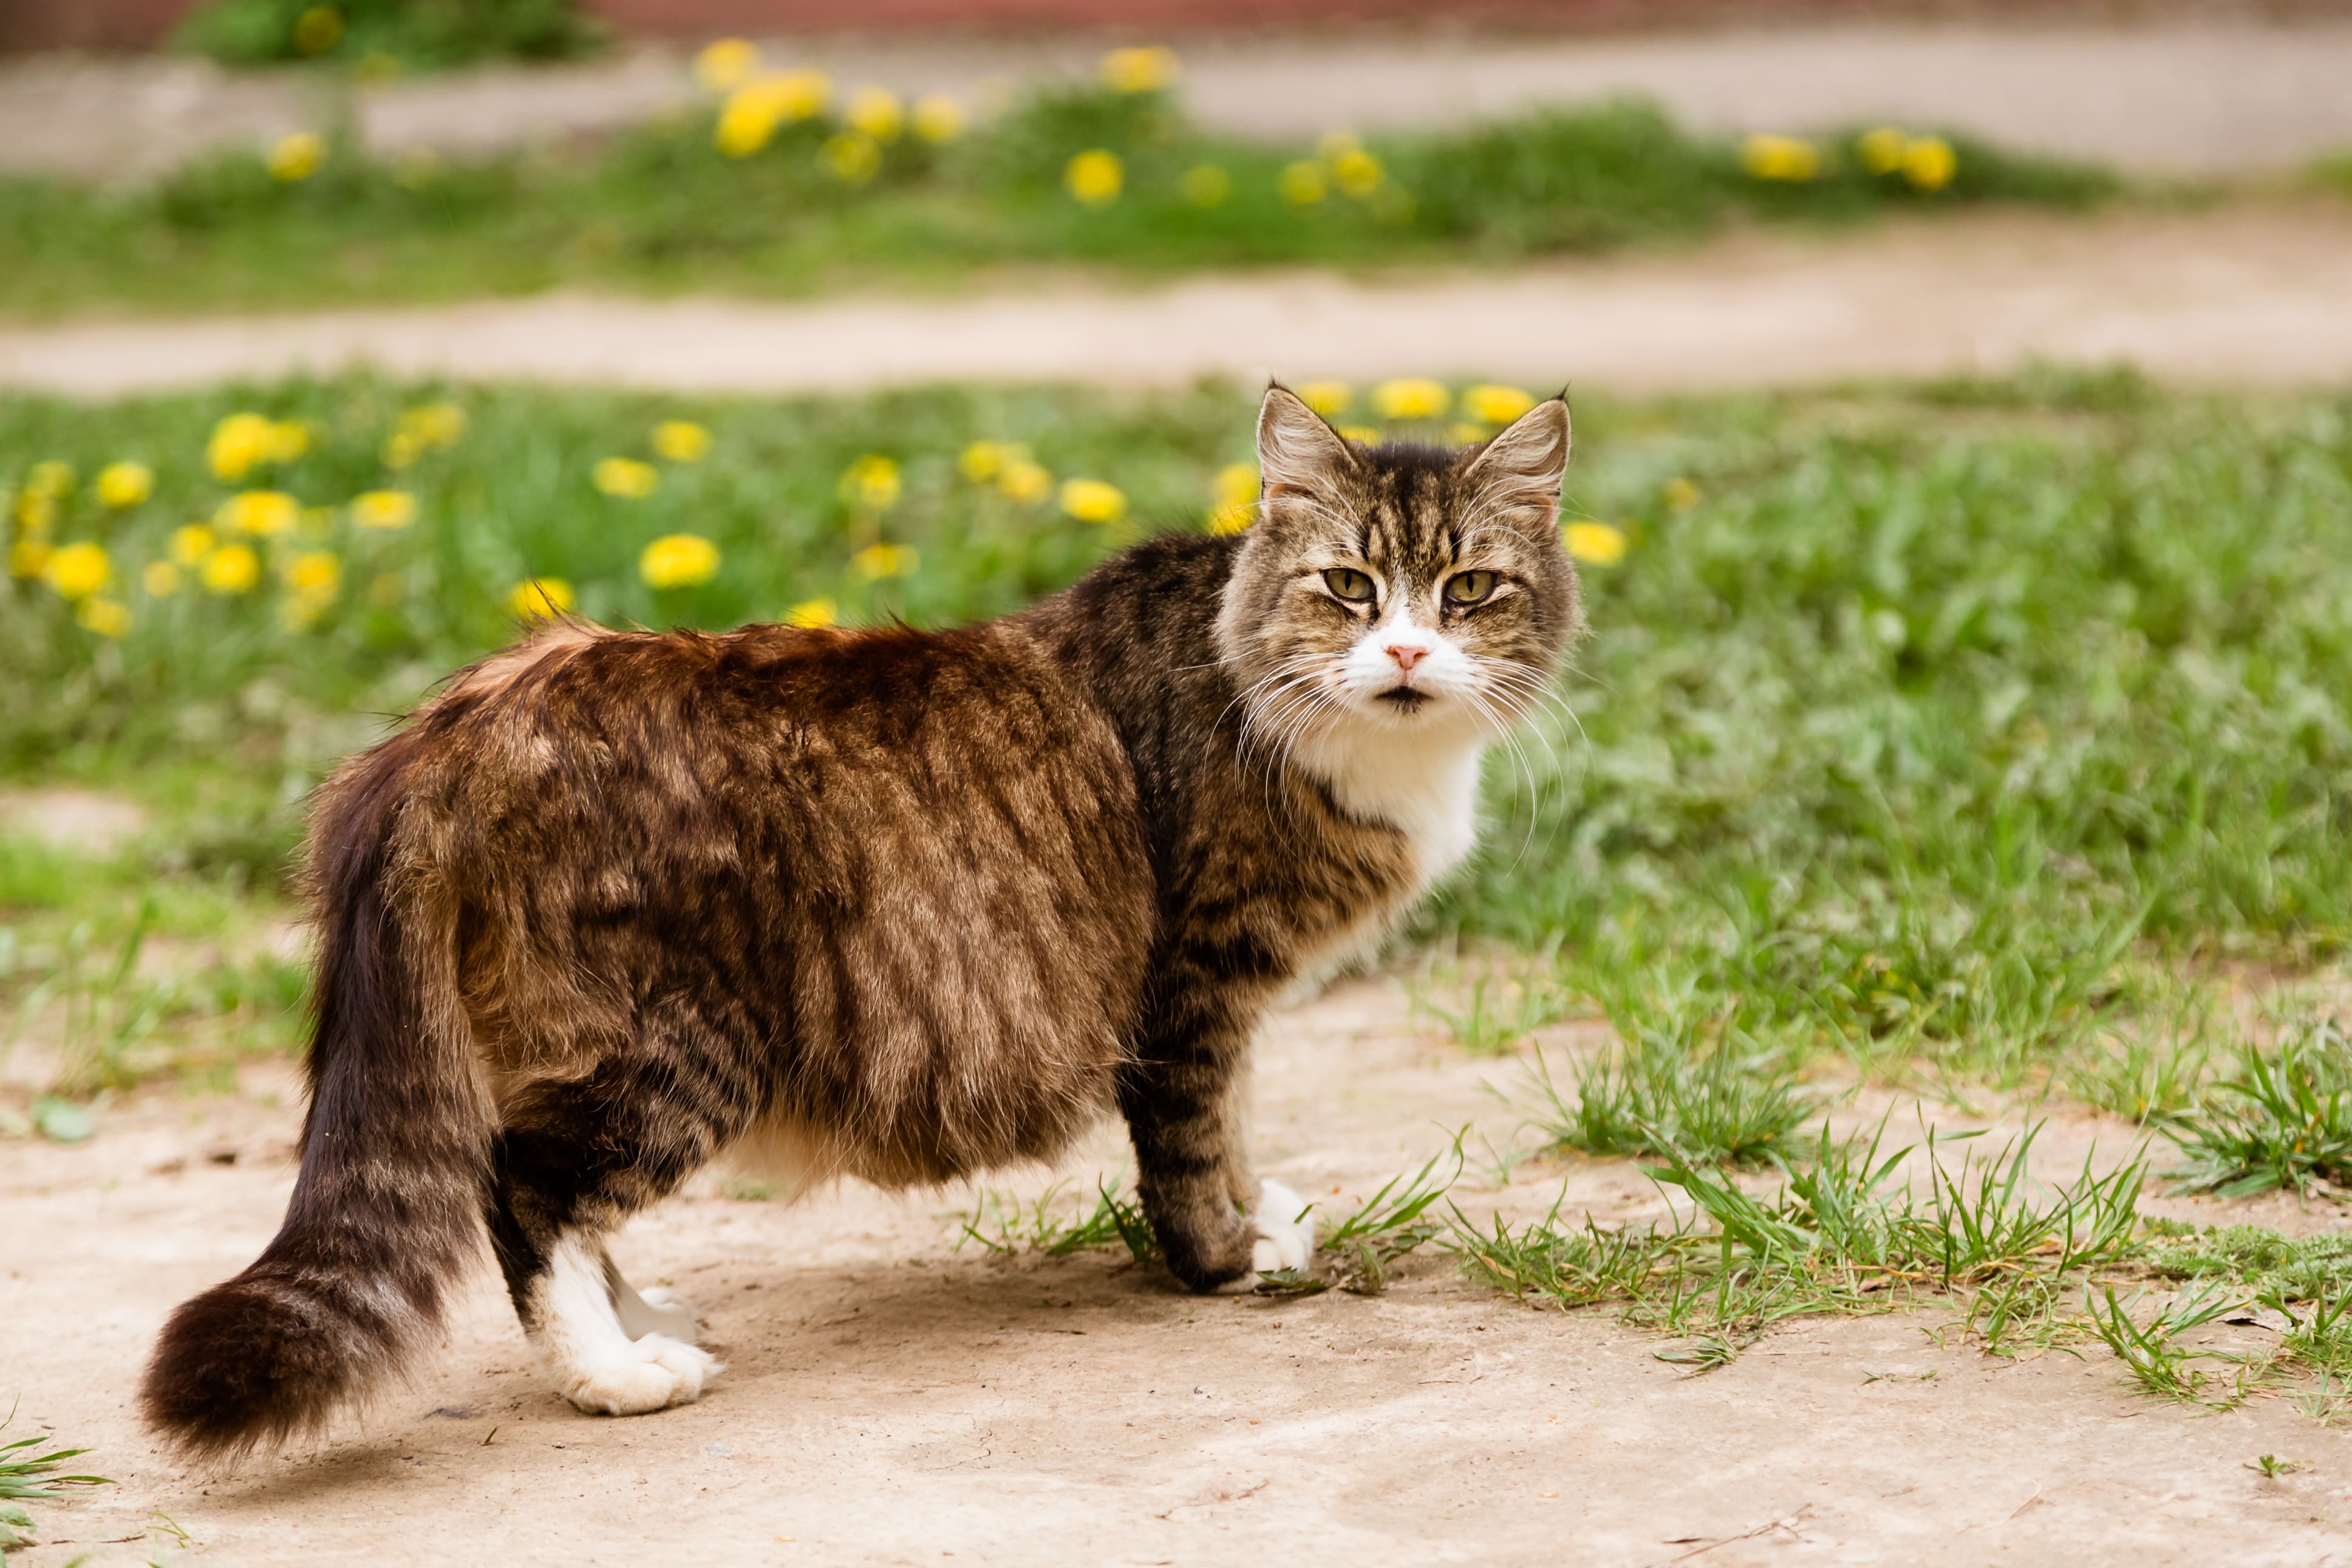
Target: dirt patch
x=891, y=1399
x=83, y=821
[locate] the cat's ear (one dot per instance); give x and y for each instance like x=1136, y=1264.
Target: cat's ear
x=1296, y=450
x=1525, y=464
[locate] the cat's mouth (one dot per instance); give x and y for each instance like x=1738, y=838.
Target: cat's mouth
x=1405, y=698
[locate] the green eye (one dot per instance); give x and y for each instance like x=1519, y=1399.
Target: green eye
x=1469, y=587
x=1349, y=585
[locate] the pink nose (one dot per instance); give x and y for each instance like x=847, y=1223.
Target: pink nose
x=1407, y=655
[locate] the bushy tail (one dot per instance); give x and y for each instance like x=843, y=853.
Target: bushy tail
x=387, y=1208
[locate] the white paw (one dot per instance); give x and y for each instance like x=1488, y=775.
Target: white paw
x=652, y=1373
x=1285, y=1231
x=659, y=1311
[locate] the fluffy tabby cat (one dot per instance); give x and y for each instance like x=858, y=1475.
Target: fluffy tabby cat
x=893, y=904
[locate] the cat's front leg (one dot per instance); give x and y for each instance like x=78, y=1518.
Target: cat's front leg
x=1215, y=1227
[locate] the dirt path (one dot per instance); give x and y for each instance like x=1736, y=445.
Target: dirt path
x=891, y=1400
x=2248, y=294
x=2181, y=96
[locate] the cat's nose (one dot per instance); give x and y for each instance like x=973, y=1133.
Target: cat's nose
x=1407, y=655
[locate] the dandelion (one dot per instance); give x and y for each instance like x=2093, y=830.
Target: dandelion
x=297, y=157
x=626, y=477
x=318, y=29
x=103, y=616
x=264, y=513
x=876, y=561
x=877, y=111
x=77, y=571
x=939, y=118
x=1236, y=492
x=231, y=569
x=1140, y=70
x=1326, y=397
x=160, y=579
x=681, y=441
x=1595, y=543
x=871, y=483
x=1491, y=404
x=1305, y=183
x=27, y=557
x=813, y=613
x=1206, y=186
x=1790, y=159
x=754, y=111
x=421, y=430
x=1094, y=176
x=851, y=156
x=1680, y=494
x=1411, y=398
x=1356, y=172
x=383, y=509
x=288, y=439
x=238, y=444
x=1929, y=164
x=123, y=485
x=983, y=460
x=541, y=598
x=1024, y=482
x=315, y=574
x=192, y=543
x=49, y=478
x=1881, y=149
x=726, y=63
x=1092, y=501
x=1463, y=433
x=35, y=511
x=1362, y=434
x=678, y=561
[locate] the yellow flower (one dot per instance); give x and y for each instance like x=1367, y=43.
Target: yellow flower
x=104, y=616
x=52, y=481
x=681, y=441
x=1790, y=158
x=297, y=157
x=1362, y=434
x=754, y=110
x=232, y=569
x=871, y=483
x=262, y=512
x=160, y=579
x=289, y=439
x=1140, y=70
x=383, y=509
x=1463, y=433
x=35, y=511
x=1411, y=398
x=626, y=477
x=1092, y=501
x=877, y=111
x=1490, y=403
x=1023, y=481
x=939, y=118
x=435, y=424
x=812, y=613
x=318, y=29
x=77, y=571
x=1094, y=176
x=983, y=460
x=1929, y=162
x=541, y=598
x=27, y=557
x=678, y=561
x=237, y=444
x=1356, y=172
x=1680, y=494
x=192, y=543
x=1206, y=186
x=852, y=156
x=1595, y=543
x=1305, y=183
x=1236, y=493
x=121, y=485
x=879, y=561
x=726, y=62
x=315, y=573
x=1326, y=397
x=1881, y=148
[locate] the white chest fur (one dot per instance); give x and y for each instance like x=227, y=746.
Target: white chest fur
x=1422, y=784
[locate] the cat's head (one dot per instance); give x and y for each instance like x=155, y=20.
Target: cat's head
x=1400, y=588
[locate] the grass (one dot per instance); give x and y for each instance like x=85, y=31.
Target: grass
x=659, y=210
x=28, y=1473
x=2283, y=1120
x=386, y=35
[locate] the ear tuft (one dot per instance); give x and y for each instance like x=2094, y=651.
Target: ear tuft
x=1296, y=450
x=1529, y=458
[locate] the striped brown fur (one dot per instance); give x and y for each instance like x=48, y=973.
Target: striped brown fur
x=913, y=904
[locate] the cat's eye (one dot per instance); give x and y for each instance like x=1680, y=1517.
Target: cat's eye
x=1469, y=587
x=1348, y=584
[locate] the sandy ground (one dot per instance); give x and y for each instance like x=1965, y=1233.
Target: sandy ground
x=2175, y=96
x=891, y=1399
x=2251, y=294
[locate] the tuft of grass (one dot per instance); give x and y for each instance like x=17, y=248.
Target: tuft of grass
x=2157, y=1360
x=2283, y=1120
x=1495, y=1012
x=29, y=1473
x=1720, y=1101
x=1005, y=1225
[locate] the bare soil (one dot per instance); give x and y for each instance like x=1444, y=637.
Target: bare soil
x=893, y=1399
